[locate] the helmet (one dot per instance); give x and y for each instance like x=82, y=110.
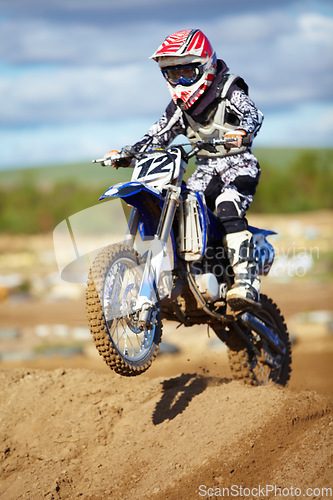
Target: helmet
x=188, y=64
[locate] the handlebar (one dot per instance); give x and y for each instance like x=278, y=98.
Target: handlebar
x=209, y=145
x=127, y=153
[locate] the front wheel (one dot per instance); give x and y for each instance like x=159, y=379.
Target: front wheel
x=112, y=288
x=256, y=362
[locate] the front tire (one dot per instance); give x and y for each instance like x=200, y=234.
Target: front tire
x=112, y=288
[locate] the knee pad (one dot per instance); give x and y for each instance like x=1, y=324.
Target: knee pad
x=229, y=211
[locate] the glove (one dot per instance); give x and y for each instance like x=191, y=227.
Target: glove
x=235, y=137
x=110, y=158
x=116, y=159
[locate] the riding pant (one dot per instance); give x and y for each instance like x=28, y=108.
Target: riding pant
x=229, y=184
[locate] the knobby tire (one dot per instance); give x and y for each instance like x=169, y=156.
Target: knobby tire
x=96, y=317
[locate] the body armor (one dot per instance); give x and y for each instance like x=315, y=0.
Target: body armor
x=226, y=118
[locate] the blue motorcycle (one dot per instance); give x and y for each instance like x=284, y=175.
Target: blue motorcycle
x=172, y=264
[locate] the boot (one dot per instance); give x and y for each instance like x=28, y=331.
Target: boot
x=245, y=290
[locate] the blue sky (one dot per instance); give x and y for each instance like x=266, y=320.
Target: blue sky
x=76, y=79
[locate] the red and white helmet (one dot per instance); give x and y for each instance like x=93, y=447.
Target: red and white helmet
x=188, y=64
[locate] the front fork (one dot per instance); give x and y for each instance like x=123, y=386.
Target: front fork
x=132, y=227
x=145, y=303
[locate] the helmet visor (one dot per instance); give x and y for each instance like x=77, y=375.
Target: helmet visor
x=183, y=75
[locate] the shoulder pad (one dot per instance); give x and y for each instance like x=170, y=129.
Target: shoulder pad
x=228, y=81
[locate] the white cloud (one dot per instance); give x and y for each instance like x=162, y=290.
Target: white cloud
x=317, y=28
x=45, y=41
x=285, y=61
x=240, y=29
x=71, y=94
x=52, y=144
x=309, y=125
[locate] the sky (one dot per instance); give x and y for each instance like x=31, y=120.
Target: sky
x=76, y=79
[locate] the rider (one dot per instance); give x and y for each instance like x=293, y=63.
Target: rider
x=209, y=102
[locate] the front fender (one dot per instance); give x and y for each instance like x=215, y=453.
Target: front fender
x=149, y=203
x=147, y=200
x=128, y=189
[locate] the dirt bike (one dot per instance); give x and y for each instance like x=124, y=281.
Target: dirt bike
x=182, y=275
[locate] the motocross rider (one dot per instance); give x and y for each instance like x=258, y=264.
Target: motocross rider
x=209, y=102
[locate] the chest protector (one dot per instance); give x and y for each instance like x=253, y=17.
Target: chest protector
x=225, y=119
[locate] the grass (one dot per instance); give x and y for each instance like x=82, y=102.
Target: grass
x=80, y=174
x=36, y=200
x=88, y=174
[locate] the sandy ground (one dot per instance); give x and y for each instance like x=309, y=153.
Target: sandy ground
x=183, y=427
x=71, y=428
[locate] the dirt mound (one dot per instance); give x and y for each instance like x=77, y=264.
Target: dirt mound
x=71, y=433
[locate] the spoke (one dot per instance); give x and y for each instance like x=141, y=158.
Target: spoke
x=137, y=341
x=123, y=335
x=122, y=274
x=125, y=351
x=130, y=341
x=120, y=292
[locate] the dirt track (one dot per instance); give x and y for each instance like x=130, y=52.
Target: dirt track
x=72, y=432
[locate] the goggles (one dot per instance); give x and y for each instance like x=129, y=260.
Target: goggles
x=183, y=75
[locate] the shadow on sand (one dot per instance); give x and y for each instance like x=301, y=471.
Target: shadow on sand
x=179, y=391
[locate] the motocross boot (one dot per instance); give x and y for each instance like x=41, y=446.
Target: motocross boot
x=245, y=290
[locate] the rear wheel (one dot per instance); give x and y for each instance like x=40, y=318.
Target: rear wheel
x=255, y=362
x=112, y=289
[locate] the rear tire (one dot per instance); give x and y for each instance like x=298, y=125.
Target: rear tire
x=257, y=364
x=112, y=287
